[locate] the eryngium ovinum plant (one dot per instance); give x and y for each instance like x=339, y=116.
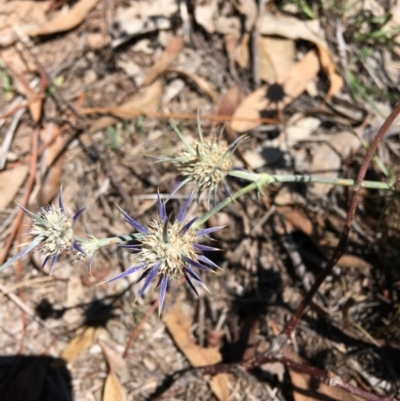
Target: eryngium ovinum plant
x=167, y=248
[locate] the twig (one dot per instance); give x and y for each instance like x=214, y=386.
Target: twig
x=131, y=112
x=340, y=249
x=25, y=308
x=139, y=327
x=22, y=106
x=321, y=375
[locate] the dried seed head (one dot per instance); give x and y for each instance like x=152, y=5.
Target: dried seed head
x=53, y=232
x=205, y=164
x=56, y=230
x=209, y=166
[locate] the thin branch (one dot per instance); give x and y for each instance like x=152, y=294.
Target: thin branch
x=340, y=249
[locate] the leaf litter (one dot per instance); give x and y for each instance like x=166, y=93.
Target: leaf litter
x=93, y=106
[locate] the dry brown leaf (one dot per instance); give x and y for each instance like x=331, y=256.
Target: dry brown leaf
x=22, y=14
x=178, y=324
x=83, y=340
x=201, y=83
x=113, y=390
x=115, y=361
x=309, y=30
x=336, y=81
x=276, y=56
x=230, y=101
x=146, y=100
x=171, y=52
x=294, y=82
x=65, y=21
x=10, y=183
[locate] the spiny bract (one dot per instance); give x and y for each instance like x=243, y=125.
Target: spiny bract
x=167, y=250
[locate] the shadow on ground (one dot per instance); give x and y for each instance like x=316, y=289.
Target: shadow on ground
x=34, y=378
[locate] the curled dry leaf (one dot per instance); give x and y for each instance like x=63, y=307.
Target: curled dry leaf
x=171, y=52
x=306, y=30
x=65, y=21
x=10, y=183
x=289, y=86
x=178, y=324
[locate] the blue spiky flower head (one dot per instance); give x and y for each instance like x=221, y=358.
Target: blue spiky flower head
x=52, y=232
x=169, y=249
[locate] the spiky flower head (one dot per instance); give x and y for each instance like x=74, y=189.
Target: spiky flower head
x=168, y=249
x=206, y=163
x=52, y=232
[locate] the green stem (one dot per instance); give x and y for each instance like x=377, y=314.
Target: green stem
x=313, y=179
x=108, y=241
x=262, y=180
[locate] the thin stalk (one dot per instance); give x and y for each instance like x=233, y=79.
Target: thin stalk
x=108, y=241
x=309, y=179
x=257, y=184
